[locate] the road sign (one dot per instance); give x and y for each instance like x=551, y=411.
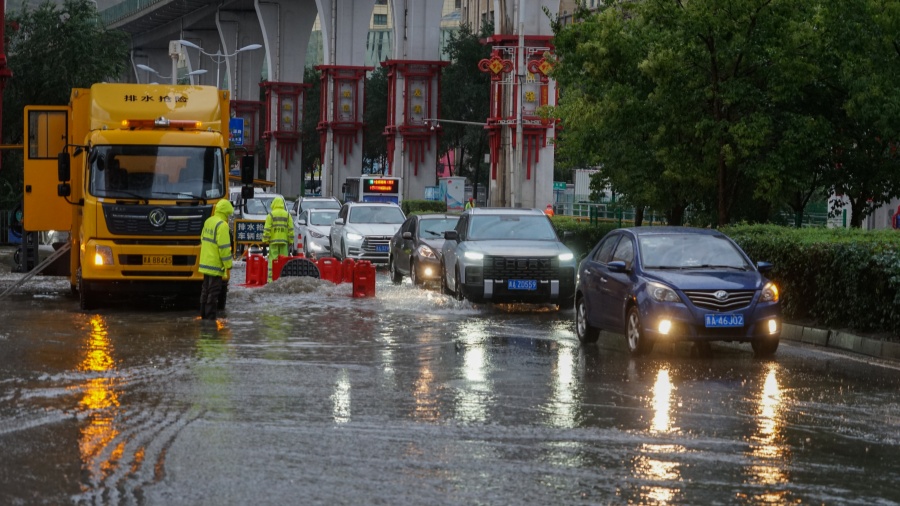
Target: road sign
x=236, y=129
x=559, y=186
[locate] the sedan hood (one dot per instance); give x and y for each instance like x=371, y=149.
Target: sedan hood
x=712, y=279
x=518, y=248
x=387, y=229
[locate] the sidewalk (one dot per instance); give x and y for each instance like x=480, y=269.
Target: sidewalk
x=841, y=340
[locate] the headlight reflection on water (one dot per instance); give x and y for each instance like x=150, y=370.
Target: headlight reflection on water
x=767, y=448
x=651, y=463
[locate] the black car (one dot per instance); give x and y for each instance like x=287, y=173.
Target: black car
x=415, y=249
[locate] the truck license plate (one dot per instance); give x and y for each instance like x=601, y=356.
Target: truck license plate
x=521, y=284
x=724, y=320
x=157, y=259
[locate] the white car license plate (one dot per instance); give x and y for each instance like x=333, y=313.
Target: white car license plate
x=724, y=320
x=521, y=284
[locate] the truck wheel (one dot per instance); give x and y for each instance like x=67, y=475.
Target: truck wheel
x=87, y=299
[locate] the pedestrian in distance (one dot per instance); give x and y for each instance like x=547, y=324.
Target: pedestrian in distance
x=215, y=258
x=895, y=219
x=278, y=232
x=470, y=204
x=549, y=210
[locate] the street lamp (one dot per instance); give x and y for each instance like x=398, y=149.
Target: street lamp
x=173, y=77
x=218, y=56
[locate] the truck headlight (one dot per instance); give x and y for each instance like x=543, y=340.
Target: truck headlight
x=103, y=255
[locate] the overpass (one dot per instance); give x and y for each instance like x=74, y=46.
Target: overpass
x=175, y=38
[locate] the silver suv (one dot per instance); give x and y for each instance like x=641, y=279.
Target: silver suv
x=507, y=255
x=363, y=230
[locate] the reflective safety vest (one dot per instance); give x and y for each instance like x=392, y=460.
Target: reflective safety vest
x=278, y=230
x=215, y=247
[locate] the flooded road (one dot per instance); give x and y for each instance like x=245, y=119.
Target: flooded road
x=302, y=394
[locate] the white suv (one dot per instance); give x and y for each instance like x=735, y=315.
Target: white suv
x=363, y=230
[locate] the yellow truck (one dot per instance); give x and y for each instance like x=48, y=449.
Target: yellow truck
x=131, y=171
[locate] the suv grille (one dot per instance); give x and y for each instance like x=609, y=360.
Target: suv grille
x=521, y=267
x=135, y=220
x=706, y=299
x=370, y=244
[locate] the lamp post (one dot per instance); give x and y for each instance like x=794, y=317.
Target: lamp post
x=174, y=76
x=218, y=56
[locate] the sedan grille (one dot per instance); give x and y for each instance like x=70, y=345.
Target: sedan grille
x=371, y=244
x=720, y=300
x=521, y=267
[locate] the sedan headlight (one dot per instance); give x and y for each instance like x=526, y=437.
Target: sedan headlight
x=662, y=293
x=769, y=293
x=474, y=255
x=425, y=251
x=354, y=237
x=317, y=235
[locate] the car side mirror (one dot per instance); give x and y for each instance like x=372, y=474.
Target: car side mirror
x=451, y=235
x=407, y=235
x=301, y=221
x=764, y=267
x=339, y=221
x=617, y=266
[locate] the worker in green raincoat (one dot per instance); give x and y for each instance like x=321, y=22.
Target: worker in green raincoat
x=278, y=232
x=215, y=258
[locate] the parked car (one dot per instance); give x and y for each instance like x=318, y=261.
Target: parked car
x=659, y=284
x=363, y=231
x=507, y=255
x=415, y=249
x=305, y=203
x=313, y=229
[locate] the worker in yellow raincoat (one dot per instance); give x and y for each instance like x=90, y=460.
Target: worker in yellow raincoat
x=278, y=232
x=215, y=258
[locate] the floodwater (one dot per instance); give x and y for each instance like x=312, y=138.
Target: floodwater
x=302, y=394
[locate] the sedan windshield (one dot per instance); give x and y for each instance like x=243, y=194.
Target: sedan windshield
x=322, y=218
x=376, y=214
x=157, y=172
x=435, y=228
x=511, y=227
x=688, y=251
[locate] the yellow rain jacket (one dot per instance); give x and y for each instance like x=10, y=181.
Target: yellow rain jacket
x=279, y=230
x=215, y=241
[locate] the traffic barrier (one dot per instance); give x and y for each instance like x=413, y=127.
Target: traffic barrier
x=256, y=270
x=330, y=269
x=279, y=263
x=364, y=279
x=348, y=266
x=300, y=266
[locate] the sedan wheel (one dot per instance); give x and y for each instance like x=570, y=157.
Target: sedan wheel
x=413, y=273
x=396, y=277
x=764, y=347
x=587, y=334
x=638, y=343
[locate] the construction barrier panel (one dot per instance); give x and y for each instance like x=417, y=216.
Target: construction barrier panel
x=300, y=266
x=330, y=269
x=279, y=263
x=256, y=271
x=348, y=266
x=364, y=279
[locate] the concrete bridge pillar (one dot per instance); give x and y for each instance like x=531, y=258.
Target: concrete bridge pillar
x=414, y=88
x=345, y=27
x=285, y=27
x=238, y=29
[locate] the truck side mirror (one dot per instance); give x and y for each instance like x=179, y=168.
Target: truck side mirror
x=63, y=168
x=247, y=170
x=63, y=189
x=247, y=192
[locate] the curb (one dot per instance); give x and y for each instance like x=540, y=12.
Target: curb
x=841, y=340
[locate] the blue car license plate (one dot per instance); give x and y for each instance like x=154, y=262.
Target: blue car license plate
x=381, y=248
x=724, y=320
x=521, y=284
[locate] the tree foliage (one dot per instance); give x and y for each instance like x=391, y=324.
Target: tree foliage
x=309, y=137
x=376, y=115
x=730, y=110
x=51, y=49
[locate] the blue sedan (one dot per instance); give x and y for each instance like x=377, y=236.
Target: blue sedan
x=659, y=284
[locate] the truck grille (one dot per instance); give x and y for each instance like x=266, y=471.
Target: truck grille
x=155, y=220
x=521, y=267
x=706, y=299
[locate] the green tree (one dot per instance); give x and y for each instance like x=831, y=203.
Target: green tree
x=375, y=117
x=51, y=49
x=309, y=137
x=465, y=96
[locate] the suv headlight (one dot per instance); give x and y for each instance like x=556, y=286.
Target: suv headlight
x=662, y=293
x=565, y=257
x=474, y=255
x=354, y=237
x=769, y=293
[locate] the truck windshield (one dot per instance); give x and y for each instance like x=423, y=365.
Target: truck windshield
x=157, y=172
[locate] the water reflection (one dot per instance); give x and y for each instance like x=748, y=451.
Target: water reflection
x=767, y=448
x=472, y=397
x=566, y=384
x=100, y=401
x=654, y=465
x=341, y=398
